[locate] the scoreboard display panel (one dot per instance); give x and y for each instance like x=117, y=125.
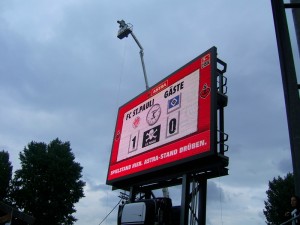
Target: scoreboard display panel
x=169, y=124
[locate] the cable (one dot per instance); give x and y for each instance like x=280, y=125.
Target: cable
x=121, y=75
x=220, y=191
x=117, y=106
x=110, y=212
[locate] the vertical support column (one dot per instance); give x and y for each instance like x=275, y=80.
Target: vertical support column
x=221, y=80
x=290, y=86
x=296, y=17
x=148, y=194
x=184, y=213
x=221, y=117
x=132, y=194
x=202, y=201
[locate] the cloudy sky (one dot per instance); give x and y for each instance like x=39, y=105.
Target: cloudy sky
x=64, y=73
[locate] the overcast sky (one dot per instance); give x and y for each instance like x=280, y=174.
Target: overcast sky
x=64, y=73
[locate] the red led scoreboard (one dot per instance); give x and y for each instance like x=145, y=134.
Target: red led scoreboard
x=169, y=127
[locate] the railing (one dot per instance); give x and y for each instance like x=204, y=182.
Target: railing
x=290, y=220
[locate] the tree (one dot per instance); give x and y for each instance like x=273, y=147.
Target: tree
x=5, y=175
x=48, y=184
x=279, y=195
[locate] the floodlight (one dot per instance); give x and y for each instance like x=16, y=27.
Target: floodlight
x=124, y=30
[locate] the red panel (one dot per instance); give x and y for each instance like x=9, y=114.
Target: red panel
x=175, y=151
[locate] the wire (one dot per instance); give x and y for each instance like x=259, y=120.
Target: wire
x=220, y=192
x=121, y=73
x=110, y=212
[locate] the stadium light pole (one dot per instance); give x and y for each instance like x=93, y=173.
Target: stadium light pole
x=124, y=31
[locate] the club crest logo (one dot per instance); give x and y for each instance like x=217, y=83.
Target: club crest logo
x=205, y=91
x=174, y=103
x=151, y=136
x=136, y=122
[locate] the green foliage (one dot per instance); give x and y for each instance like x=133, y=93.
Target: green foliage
x=48, y=184
x=279, y=195
x=5, y=175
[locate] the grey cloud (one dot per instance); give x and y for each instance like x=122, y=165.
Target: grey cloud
x=64, y=73
x=285, y=166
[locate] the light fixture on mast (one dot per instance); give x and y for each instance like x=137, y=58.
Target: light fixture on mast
x=124, y=31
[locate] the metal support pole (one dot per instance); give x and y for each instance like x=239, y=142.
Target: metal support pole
x=184, y=213
x=221, y=116
x=202, y=201
x=193, y=206
x=142, y=59
x=290, y=86
x=132, y=194
x=296, y=17
x=124, y=31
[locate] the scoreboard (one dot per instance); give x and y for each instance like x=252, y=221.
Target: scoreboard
x=168, y=125
x=165, y=117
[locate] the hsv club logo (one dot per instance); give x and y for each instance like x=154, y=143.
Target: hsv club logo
x=174, y=103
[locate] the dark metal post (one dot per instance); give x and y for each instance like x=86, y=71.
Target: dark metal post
x=132, y=194
x=202, y=201
x=290, y=85
x=296, y=17
x=142, y=59
x=221, y=116
x=221, y=93
x=184, y=213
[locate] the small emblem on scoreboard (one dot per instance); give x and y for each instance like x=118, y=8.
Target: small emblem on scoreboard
x=205, y=91
x=151, y=136
x=174, y=103
x=136, y=122
x=205, y=61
